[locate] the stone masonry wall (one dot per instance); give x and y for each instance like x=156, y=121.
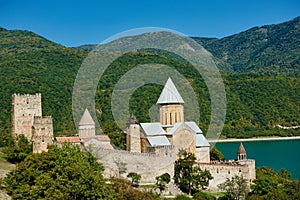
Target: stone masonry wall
x=148, y=165
x=24, y=108
x=222, y=171
x=42, y=133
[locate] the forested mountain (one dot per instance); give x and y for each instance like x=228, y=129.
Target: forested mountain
x=260, y=71
x=270, y=49
x=30, y=63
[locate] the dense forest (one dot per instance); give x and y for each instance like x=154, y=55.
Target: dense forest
x=259, y=67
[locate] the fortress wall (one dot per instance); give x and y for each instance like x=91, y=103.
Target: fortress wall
x=222, y=171
x=148, y=165
x=42, y=133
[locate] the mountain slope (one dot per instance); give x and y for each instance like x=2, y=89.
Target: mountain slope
x=30, y=63
x=270, y=49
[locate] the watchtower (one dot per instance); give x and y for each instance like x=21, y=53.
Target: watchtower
x=24, y=109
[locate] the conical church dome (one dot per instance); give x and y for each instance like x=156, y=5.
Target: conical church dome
x=169, y=94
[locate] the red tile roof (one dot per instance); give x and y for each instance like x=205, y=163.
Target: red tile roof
x=68, y=139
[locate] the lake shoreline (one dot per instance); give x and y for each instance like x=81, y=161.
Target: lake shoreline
x=254, y=139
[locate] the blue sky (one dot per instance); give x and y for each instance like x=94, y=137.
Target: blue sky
x=73, y=23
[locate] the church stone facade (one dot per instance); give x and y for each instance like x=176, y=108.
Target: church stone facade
x=152, y=148
x=171, y=130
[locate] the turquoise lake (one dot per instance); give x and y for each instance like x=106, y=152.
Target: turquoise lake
x=275, y=154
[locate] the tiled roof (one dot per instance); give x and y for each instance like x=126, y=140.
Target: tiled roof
x=68, y=139
x=174, y=129
x=102, y=138
x=152, y=129
x=158, y=141
x=201, y=141
x=169, y=94
x=86, y=119
x=97, y=142
x=194, y=126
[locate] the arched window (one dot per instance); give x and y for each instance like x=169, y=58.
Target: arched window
x=166, y=117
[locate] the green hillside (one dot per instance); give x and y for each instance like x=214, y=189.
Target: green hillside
x=270, y=49
x=257, y=100
x=30, y=63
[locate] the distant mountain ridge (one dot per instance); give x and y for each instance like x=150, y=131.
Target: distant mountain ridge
x=269, y=49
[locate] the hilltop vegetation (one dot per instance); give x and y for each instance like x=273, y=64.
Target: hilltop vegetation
x=270, y=49
x=30, y=64
x=261, y=79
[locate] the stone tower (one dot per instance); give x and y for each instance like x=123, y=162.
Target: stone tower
x=133, y=137
x=241, y=153
x=42, y=133
x=86, y=126
x=170, y=106
x=24, y=108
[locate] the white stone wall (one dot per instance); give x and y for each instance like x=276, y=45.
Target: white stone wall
x=202, y=154
x=146, y=164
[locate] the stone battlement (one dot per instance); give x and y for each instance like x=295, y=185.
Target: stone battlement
x=42, y=120
x=27, y=95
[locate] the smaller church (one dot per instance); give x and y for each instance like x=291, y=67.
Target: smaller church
x=171, y=130
x=87, y=137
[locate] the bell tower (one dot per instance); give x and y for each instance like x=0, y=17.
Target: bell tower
x=170, y=106
x=241, y=153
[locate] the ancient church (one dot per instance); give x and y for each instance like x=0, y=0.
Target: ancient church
x=171, y=130
x=152, y=148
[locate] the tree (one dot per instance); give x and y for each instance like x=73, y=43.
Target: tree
x=215, y=154
x=17, y=150
x=123, y=190
x=162, y=181
x=201, y=178
x=6, y=139
x=135, y=178
x=188, y=176
x=121, y=167
x=235, y=188
x=60, y=173
x=283, y=173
